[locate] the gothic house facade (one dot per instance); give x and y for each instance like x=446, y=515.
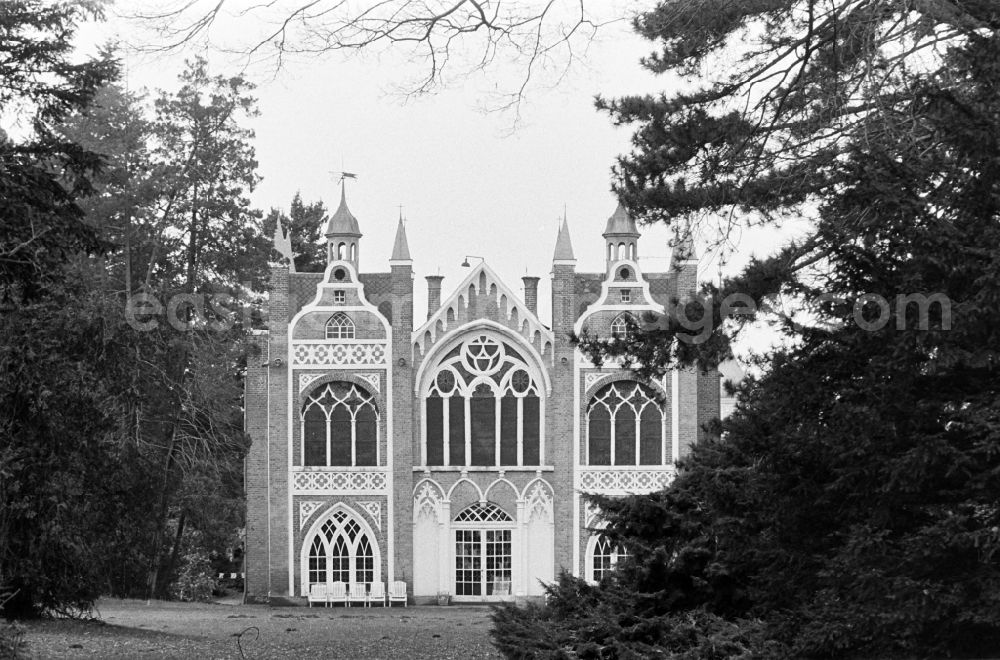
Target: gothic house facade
x=451, y=452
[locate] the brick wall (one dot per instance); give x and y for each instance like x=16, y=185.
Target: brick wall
x=402, y=422
x=278, y=431
x=255, y=471
x=560, y=412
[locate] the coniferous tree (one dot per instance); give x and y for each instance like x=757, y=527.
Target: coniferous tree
x=849, y=508
x=306, y=222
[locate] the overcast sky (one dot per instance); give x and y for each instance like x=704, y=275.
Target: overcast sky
x=470, y=182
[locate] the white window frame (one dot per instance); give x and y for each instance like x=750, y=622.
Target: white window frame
x=638, y=429
x=340, y=327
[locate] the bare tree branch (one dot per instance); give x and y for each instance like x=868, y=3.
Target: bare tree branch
x=450, y=38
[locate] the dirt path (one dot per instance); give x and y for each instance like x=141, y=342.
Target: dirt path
x=132, y=629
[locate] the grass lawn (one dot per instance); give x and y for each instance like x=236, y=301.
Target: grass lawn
x=132, y=629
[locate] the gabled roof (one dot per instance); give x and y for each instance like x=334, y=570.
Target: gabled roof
x=343, y=221
x=621, y=223
x=564, y=246
x=400, y=248
x=511, y=309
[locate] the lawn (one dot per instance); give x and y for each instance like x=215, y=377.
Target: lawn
x=133, y=629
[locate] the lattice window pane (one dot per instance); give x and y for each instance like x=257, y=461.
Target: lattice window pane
x=340, y=561
x=483, y=512
x=317, y=561
x=602, y=559
x=498, y=562
x=364, y=561
x=468, y=562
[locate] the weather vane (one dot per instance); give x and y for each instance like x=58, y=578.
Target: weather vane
x=344, y=175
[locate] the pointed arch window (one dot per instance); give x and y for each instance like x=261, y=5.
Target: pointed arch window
x=340, y=326
x=341, y=551
x=622, y=324
x=482, y=406
x=604, y=558
x=340, y=426
x=625, y=426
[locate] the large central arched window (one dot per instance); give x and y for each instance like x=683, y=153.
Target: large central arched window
x=483, y=407
x=625, y=426
x=340, y=426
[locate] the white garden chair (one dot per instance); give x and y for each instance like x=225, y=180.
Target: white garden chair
x=357, y=593
x=337, y=593
x=317, y=594
x=397, y=593
x=376, y=593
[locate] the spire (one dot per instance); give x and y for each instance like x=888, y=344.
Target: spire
x=400, y=248
x=343, y=221
x=564, y=246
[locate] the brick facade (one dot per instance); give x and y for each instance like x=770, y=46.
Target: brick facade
x=412, y=511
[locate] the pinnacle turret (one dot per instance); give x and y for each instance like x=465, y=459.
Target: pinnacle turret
x=564, y=246
x=400, y=248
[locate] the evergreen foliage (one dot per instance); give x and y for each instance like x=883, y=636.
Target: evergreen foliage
x=849, y=509
x=306, y=223
x=42, y=176
x=105, y=197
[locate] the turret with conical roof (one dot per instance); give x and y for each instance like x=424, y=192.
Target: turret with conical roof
x=400, y=247
x=343, y=235
x=564, y=246
x=621, y=236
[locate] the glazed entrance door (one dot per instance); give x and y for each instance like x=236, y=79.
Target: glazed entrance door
x=483, y=562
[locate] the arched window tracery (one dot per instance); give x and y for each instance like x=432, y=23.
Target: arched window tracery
x=620, y=326
x=483, y=407
x=340, y=326
x=604, y=558
x=625, y=426
x=341, y=551
x=340, y=426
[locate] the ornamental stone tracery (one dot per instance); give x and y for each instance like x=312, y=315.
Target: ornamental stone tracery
x=483, y=407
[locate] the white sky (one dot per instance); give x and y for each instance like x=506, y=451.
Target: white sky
x=467, y=183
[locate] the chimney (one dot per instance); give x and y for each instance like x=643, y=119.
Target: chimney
x=531, y=293
x=433, y=293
